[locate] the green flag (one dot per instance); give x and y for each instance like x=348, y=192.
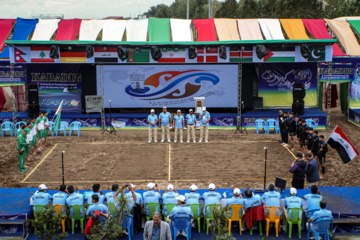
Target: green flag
x=58, y=118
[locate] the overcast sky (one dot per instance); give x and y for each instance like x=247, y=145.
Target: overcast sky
x=77, y=8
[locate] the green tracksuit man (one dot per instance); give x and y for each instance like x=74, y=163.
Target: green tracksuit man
x=22, y=150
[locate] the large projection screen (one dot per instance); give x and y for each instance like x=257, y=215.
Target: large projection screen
x=150, y=86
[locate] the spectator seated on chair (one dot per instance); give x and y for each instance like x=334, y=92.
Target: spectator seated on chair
x=252, y=200
x=157, y=229
x=60, y=197
x=254, y=210
x=96, y=191
x=291, y=202
x=130, y=202
x=211, y=197
x=93, y=221
x=96, y=207
x=41, y=197
x=152, y=196
x=313, y=200
x=237, y=199
x=169, y=196
x=322, y=214
x=180, y=211
x=138, y=208
x=272, y=198
x=193, y=197
x=110, y=195
x=74, y=199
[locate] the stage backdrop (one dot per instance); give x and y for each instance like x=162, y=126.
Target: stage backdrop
x=52, y=80
x=18, y=77
x=276, y=82
x=148, y=86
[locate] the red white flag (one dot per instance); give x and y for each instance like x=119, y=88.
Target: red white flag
x=207, y=54
x=41, y=54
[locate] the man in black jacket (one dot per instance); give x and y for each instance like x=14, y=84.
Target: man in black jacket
x=291, y=128
x=315, y=143
x=322, y=150
x=283, y=129
x=281, y=113
x=298, y=169
x=312, y=172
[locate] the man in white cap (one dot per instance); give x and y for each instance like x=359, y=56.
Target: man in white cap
x=204, y=124
x=152, y=120
x=237, y=199
x=190, y=125
x=169, y=196
x=41, y=197
x=180, y=211
x=178, y=125
x=193, y=197
x=211, y=197
x=292, y=202
x=152, y=196
x=164, y=119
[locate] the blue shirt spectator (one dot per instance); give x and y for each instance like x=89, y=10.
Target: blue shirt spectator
x=272, y=198
x=211, y=197
x=181, y=211
x=190, y=119
x=151, y=196
x=322, y=214
x=313, y=201
x=193, y=198
x=169, y=197
x=293, y=202
x=60, y=198
x=203, y=118
x=101, y=197
x=152, y=118
x=165, y=118
x=109, y=197
x=139, y=198
x=235, y=200
x=97, y=207
x=179, y=120
x=75, y=199
x=41, y=198
x=253, y=201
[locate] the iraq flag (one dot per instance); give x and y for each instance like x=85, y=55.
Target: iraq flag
x=342, y=144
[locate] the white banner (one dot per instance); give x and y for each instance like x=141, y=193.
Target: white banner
x=93, y=103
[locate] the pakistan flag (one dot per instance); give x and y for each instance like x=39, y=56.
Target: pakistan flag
x=317, y=53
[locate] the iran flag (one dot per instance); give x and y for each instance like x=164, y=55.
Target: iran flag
x=342, y=144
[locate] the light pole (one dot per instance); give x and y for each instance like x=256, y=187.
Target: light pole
x=187, y=9
x=210, y=8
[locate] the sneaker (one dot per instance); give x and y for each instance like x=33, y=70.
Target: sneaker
x=169, y=140
x=200, y=141
x=188, y=141
x=22, y=171
x=244, y=229
x=149, y=141
x=194, y=141
x=184, y=234
x=282, y=227
x=178, y=233
x=193, y=225
x=155, y=141
x=181, y=141
x=125, y=232
x=206, y=141
x=162, y=140
x=175, y=141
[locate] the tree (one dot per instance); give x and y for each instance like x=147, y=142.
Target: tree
x=158, y=11
x=228, y=9
x=248, y=9
x=337, y=8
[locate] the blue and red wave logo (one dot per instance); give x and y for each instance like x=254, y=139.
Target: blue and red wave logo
x=172, y=84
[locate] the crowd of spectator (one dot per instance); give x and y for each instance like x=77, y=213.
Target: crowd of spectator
x=96, y=205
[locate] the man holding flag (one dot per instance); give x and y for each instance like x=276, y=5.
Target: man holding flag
x=342, y=144
x=58, y=118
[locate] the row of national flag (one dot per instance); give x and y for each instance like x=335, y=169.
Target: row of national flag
x=76, y=54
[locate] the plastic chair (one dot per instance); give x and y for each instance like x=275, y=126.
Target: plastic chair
x=311, y=123
x=152, y=209
x=58, y=209
x=128, y=224
x=77, y=216
x=323, y=228
x=169, y=207
x=38, y=209
x=75, y=126
x=271, y=123
x=52, y=124
x=235, y=215
x=272, y=218
x=195, y=209
x=260, y=227
x=111, y=208
x=260, y=124
x=7, y=127
x=181, y=223
x=63, y=127
x=211, y=215
x=295, y=219
x=17, y=127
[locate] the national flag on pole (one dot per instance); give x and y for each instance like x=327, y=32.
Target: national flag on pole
x=342, y=144
x=58, y=118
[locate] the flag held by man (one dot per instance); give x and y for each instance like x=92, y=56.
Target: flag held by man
x=57, y=124
x=342, y=144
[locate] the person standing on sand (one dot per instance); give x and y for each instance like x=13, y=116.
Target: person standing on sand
x=152, y=120
x=164, y=119
x=40, y=126
x=298, y=169
x=204, y=125
x=22, y=150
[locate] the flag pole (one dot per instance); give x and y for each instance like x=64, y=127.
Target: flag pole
x=57, y=110
x=331, y=134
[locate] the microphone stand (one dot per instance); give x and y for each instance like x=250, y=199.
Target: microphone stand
x=112, y=129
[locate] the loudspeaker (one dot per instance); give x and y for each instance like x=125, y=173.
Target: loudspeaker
x=33, y=94
x=258, y=102
x=298, y=92
x=33, y=110
x=298, y=108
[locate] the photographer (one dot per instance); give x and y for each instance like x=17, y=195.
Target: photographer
x=298, y=169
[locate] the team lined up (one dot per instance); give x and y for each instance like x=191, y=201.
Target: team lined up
x=31, y=137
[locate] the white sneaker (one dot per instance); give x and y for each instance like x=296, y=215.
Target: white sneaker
x=169, y=140
x=175, y=141
x=162, y=140
x=181, y=141
x=206, y=141
x=125, y=232
x=193, y=225
x=155, y=141
x=184, y=234
x=149, y=141
x=188, y=141
x=244, y=229
x=200, y=141
x=178, y=233
x=194, y=141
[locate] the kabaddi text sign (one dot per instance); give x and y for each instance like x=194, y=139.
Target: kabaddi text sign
x=52, y=80
x=276, y=82
x=169, y=85
x=11, y=76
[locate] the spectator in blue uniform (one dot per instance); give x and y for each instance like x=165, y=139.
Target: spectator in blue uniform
x=41, y=197
x=152, y=120
x=237, y=199
x=60, y=197
x=96, y=191
x=169, y=197
x=96, y=206
x=180, y=211
x=292, y=202
x=193, y=197
x=164, y=119
x=110, y=195
x=313, y=199
x=272, y=198
x=211, y=197
x=151, y=196
x=75, y=199
x=322, y=214
x=252, y=200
